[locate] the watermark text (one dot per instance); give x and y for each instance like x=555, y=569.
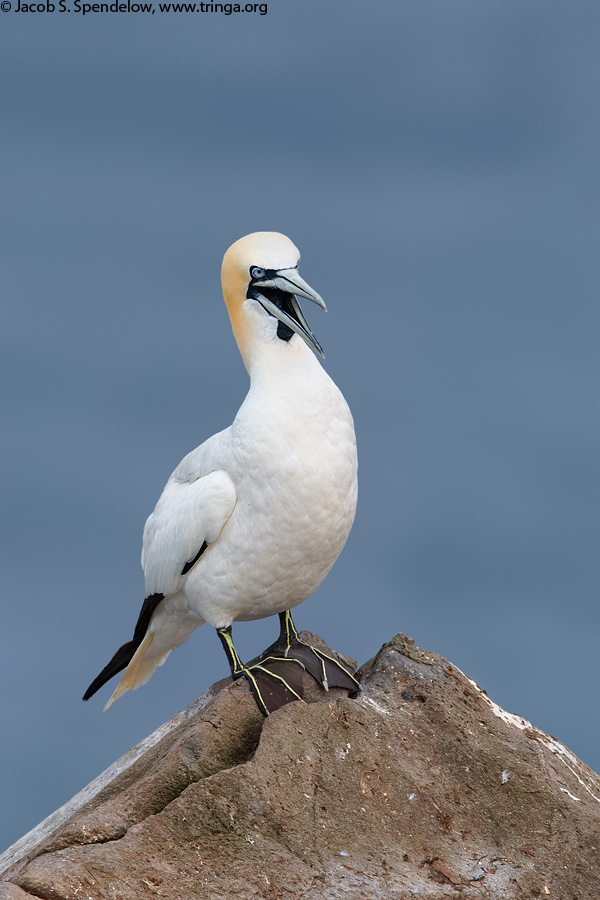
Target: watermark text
x=130, y=6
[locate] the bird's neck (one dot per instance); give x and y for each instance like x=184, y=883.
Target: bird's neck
x=265, y=355
x=277, y=363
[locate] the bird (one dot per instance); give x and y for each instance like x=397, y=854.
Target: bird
x=251, y=521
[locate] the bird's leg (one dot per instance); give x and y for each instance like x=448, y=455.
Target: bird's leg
x=326, y=670
x=272, y=686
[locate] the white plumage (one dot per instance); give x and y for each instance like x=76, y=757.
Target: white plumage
x=271, y=499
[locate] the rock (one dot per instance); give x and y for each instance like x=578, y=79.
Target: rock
x=420, y=787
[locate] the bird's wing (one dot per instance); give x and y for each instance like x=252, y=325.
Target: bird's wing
x=189, y=515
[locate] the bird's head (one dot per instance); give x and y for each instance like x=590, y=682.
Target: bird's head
x=261, y=286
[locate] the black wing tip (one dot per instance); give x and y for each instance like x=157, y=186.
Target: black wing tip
x=125, y=653
x=120, y=661
x=190, y=565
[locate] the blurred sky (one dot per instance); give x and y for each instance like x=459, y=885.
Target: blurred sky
x=437, y=165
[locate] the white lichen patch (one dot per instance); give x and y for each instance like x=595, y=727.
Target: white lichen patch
x=342, y=752
x=568, y=759
x=572, y=796
x=362, y=698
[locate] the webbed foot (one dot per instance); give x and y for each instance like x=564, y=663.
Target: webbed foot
x=274, y=680
x=325, y=669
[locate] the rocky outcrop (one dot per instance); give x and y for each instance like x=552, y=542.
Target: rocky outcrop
x=420, y=787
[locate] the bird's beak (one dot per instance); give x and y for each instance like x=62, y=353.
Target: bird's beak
x=282, y=302
x=289, y=280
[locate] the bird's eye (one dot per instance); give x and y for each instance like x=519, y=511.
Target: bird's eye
x=255, y=272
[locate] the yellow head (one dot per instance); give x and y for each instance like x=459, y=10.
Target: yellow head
x=261, y=285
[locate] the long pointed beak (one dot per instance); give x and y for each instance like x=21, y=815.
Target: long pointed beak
x=289, y=282
x=289, y=277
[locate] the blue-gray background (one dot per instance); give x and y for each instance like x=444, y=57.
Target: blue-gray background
x=437, y=165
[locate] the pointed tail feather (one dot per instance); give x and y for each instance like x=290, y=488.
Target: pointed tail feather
x=139, y=671
x=120, y=660
x=139, y=657
x=127, y=651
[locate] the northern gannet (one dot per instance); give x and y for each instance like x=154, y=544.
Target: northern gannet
x=252, y=520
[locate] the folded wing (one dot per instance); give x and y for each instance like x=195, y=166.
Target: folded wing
x=188, y=515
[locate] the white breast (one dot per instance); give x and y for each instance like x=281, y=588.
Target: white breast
x=291, y=454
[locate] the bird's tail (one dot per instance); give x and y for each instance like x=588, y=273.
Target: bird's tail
x=139, y=663
x=140, y=669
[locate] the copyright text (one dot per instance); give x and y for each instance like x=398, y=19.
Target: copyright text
x=127, y=6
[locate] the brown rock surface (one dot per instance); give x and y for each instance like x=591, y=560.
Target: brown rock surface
x=421, y=787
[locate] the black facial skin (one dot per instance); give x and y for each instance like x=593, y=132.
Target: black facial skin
x=281, y=299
